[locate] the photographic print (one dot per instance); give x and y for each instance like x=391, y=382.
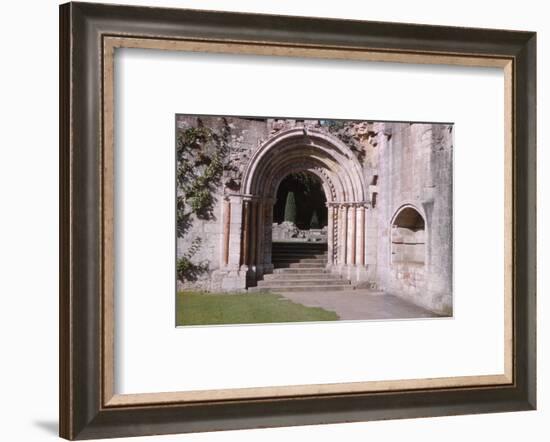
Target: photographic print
x=305, y=220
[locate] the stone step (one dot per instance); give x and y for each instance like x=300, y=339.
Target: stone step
x=298, y=265
x=306, y=247
x=303, y=260
x=275, y=259
x=297, y=255
x=300, y=274
x=299, y=252
x=295, y=282
x=302, y=288
x=288, y=270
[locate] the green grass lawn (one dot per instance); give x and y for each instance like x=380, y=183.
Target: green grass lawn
x=200, y=308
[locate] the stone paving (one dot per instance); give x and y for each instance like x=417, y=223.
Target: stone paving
x=360, y=304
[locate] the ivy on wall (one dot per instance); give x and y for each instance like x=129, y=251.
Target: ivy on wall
x=347, y=132
x=201, y=156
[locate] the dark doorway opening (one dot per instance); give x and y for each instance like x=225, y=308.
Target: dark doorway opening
x=309, y=201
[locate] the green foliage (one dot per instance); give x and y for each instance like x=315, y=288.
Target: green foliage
x=333, y=125
x=201, y=155
x=314, y=223
x=199, y=308
x=309, y=196
x=186, y=270
x=194, y=137
x=290, y=208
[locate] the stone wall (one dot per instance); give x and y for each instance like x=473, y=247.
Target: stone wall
x=403, y=165
x=415, y=169
x=245, y=135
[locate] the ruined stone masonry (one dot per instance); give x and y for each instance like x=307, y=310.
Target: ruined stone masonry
x=388, y=189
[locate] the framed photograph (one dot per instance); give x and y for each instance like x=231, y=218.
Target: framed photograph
x=271, y=221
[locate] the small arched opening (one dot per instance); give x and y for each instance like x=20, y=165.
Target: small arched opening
x=408, y=237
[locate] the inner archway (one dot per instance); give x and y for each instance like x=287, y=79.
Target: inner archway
x=300, y=218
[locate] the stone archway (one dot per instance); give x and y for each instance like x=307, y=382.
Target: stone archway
x=247, y=217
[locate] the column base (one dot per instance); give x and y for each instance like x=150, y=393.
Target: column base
x=229, y=280
x=357, y=274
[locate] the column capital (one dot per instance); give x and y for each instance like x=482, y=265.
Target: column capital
x=246, y=197
x=234, y=197
x=364, y=204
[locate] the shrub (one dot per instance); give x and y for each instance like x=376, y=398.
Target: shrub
x=290, y=208
x=314, y=223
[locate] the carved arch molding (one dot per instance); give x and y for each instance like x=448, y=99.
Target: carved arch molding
x=247, y=216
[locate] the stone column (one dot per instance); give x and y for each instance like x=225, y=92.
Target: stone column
x=336, y=234
x=235, y=231
x=253, y=223
x=268, y=220
x=232, y=243
x=260, y=220
x=330, y=234
x=226, y=231
x=362, y=235
x=345, y=235
x=353, y=234
x=245, y=236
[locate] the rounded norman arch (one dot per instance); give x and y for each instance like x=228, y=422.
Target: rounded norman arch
x=305, y=149
x=333, y=162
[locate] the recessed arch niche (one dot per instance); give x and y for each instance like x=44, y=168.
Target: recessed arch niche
x=408, y=236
